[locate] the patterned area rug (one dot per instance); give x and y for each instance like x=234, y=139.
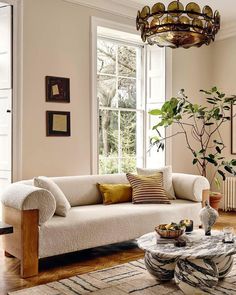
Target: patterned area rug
x=129, y=278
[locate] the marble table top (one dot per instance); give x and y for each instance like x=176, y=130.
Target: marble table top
x=198, y=246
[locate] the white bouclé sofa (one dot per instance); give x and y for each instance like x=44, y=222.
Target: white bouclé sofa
x=39, y=234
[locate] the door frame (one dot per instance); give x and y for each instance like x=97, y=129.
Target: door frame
x=17, y=87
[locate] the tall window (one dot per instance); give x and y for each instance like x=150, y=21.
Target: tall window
x=121, y=109
x=130, y=81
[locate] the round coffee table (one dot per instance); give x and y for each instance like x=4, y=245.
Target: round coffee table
x=196, y=268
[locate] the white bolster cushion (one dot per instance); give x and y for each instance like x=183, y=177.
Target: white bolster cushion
x=27, y=197
x=189, y=187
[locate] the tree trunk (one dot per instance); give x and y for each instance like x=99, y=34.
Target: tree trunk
x=105, y=126
x=204, y=171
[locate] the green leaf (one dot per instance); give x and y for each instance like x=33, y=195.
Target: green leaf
x=204, y=91
x=210, y=160
x=155, y=127
x=218, y=149
x=195, y=161
x=210, y=98
x=222, y=174
x=158, y=132
x=195, y=154
x=211, y=102
x=162, y=123
x=233, y=162
x=217, y=182
x=214, y=89
x=179, y=117
x=155, y=112
x=155, y=138
x=221, y=95
x=218, y=142
x=230, y=99
x=229, y=169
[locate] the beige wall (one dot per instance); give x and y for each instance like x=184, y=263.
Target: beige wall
x=223, y=75
x=223, y=72
x=57, y=43
x=202, y=68
x=192, y=72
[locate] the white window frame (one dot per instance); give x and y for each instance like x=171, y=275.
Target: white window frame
x=140, y=110
x=98, y=22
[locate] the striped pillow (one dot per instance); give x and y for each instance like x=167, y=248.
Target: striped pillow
x=148, y=189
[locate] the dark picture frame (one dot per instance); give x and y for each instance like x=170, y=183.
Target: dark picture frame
x=58, y=123
x=233, y=129
x=57, y=89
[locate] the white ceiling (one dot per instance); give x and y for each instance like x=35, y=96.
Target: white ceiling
x=227, y=8
x=128, y=8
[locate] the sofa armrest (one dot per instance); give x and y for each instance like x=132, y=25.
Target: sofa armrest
x=190, y=187
x=26, y=197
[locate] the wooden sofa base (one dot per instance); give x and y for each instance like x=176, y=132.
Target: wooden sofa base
x=23, y=243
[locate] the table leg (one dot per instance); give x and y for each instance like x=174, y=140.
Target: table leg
x=196, y=276
x=159, y=267
x=224, y=265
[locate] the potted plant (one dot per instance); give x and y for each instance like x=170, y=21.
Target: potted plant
x=200, y=125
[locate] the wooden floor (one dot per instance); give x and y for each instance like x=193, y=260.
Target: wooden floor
x=77, y=263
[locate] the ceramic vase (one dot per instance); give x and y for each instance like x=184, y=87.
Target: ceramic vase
x=208, y=217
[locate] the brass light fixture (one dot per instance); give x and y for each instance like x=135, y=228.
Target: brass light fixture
x=175, y=26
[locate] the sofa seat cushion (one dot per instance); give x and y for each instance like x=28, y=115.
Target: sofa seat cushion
x=96, y=225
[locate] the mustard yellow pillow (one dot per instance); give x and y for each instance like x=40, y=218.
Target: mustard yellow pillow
x=115, y=193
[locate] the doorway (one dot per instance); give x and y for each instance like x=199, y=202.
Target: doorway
x=5, y=95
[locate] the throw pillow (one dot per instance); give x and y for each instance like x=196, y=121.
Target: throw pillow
x=115, y=193
x=62, y=204
x=148, y=189
x=167, y=178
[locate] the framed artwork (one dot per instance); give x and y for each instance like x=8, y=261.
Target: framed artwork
x=57, y=123
x=233, y=129
x=57, y=89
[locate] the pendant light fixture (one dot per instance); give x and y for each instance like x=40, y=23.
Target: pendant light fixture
x=178, y=26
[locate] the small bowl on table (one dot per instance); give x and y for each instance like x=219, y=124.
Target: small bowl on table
x=170, y=232
x=188, y=224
